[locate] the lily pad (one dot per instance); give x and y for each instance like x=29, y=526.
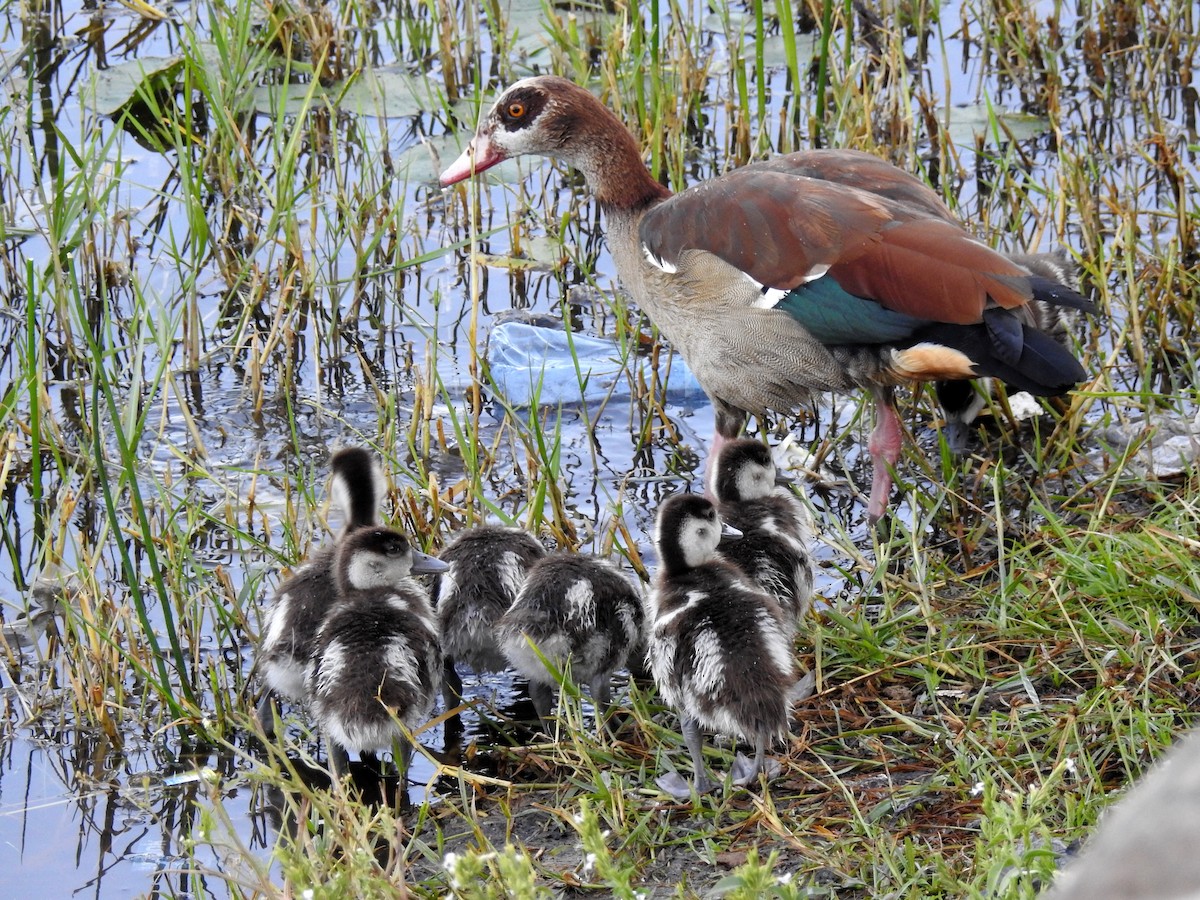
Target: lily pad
x=968, y=122
x=113, y=88
x=383, y=93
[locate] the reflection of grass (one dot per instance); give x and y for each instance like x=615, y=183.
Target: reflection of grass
x=990, y=667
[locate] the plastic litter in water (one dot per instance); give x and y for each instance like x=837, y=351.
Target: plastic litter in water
x=549, y=366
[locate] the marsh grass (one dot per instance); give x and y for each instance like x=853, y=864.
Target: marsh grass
x=184, y=338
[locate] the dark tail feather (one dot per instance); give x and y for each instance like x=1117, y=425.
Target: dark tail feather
x=1054, y=280
x=1042, y=367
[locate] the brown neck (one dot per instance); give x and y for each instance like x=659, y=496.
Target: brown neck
x=614, y=168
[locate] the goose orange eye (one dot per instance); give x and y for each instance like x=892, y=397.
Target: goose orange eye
x=516, y=110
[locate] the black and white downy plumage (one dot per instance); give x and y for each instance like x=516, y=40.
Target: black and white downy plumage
x=376, y=668
x=719, y=650
x=776, y=527
x=487, y=566
x=583, y=616
x=357, y=489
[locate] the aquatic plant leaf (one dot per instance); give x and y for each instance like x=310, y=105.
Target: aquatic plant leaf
x=384, y=93
x=968, y=122
x=113, y=88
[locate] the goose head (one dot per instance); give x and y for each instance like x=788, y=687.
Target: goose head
x=688, y=532
x=372, y=558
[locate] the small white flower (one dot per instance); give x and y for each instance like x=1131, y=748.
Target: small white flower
x=450, y=863
x=589, y=863
x=785, y=878
x=977, y=789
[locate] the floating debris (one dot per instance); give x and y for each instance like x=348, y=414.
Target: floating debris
x=535, y=365
x=1156, y=446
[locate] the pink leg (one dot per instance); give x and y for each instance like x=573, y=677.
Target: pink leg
x=884, y=447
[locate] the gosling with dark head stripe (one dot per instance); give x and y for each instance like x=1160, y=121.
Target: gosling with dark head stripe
x=776, y=527
x=719, y=648
x=289, y=633
x=487, y=567
x=377, y=666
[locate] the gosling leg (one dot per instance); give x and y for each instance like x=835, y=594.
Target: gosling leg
x=542, y=696
x=268, y=711
x=672, y=782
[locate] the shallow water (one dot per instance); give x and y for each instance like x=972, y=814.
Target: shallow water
x=80, y=815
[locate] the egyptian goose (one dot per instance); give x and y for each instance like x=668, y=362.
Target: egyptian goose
x=820, y=270
x=376, y=667
x=487, y=567
x=582, y=616
x=776, y=527
x=357, y=488
x=719, y=648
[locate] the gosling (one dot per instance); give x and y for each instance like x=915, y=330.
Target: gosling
x=719, y=649
x=776, y=527
x=487, y=566
x=578, y=614
x=376, y=668
x=289, y=632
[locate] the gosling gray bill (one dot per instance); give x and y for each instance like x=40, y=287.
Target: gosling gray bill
x=719, y=648
x=487, y=566
x=776, y=527
x=289, y=634
x=377, y=666
x=583, y=617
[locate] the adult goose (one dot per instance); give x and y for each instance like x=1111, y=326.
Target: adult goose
x=819, y=270
x=357, y=488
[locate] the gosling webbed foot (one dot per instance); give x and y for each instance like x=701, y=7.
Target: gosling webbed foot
x=803, y=689
x=680, y=788
x=745, y=771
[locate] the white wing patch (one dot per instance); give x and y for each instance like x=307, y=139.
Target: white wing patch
x=399, y=660
x=277, y=620
x=661, y=264
x=708, y=665
x=664, y=620
x=331, y=666
x=511, y=574
x=772, y=296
